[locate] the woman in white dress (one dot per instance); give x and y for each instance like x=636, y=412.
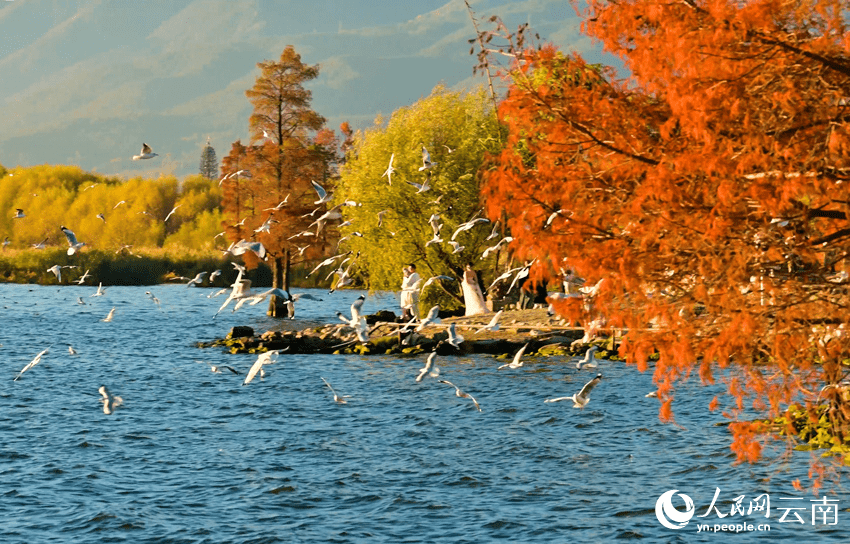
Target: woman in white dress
x=472, y=296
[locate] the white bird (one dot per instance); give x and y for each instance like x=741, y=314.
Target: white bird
x=430, y=369
x=343, y=276
x=324, y=196
x=521, y=275
x=279, y=206
x=32, y=363
x=457, y=248
x=552, y=218
x=493, y=249
x=389, y=171
x=92, y=186
x=380, y=217
x=121, y=202
x=432, y=279
x=6, y=242
x=110, y=402
x=590, y=360
x=215, y=274
x=198, y=279
x=462, y=394
x=146, y=153
x=109, y=316
x=72, y=240
x=174, y=209
x=100, y=290
x=101, y=217
x=581, y=398
x=263, y=359
x=430, y=319
x=493, y=325
x=40, y=245
x=468, y=225
x=71, y=350
x=337, y=398
x=504, y=276
x=328, y=261
x=57, y=270
x=216, y=369
x=426, y=160
x=267, y=225
x=423, y=187
x=19, y=214
x=80, y=300
x=435, y=240
x=357, y=307
x=517, y=361
x=242, y=246
x=153, y=298
x=495, y=232
x=454, y=338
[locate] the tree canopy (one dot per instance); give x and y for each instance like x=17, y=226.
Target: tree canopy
x=705, y=190
x=457, y=129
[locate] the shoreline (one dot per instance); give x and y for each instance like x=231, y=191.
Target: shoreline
x=545, y=335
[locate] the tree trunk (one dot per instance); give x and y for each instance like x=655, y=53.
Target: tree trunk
x=280, y=279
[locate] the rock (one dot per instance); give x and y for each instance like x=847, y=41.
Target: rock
x=240, y=332
x=381, y=315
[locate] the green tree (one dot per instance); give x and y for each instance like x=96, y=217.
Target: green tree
x=209, y=162
x=458, y=129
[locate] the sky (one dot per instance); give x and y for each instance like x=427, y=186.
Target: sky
x=87, y=82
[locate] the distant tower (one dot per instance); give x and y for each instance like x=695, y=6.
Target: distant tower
x=209, y=163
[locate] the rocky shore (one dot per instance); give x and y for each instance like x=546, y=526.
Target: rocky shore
x=545, y=336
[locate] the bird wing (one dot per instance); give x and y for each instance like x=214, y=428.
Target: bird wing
x=319, y=190
x=518, y=355
x=588, y=387
x=69, y=234
x=145, y=149
x=255, y=368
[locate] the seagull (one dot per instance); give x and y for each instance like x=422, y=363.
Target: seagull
x=279, y=206
x=217, y=369
x=426, y=160
x=422, y=188
x=493, y=249
x=454, y=338
x=517, y=362
x=589, y=360
x=215, y=274
x=6, y=242
x=328, y=261
x=56, y=269
x=121, y=202
x=109, y=316
x=430, y=369
x=552, y=218
x=110, y=402
x=337, y=398
x=468, y=225
x=494, y=233
x=263, y=359
x=174, y=209
x=40, y=245
x=435, y=240
x=432, y=279
x=504, y=276
x=100, y=216
x=581, y=398
x=19, y=214
x=431, y=318
x=324, y=196
x=146, y=153
x=493, y=325
x=71, y=350
x=457, y=247
x=521, y=275
x=389, y=171
x=357, y=307
x=380, y=217
x=31, y=363
x=100, y=290
x=461, y=394
x=242, y=246
x=92, y=186
x=267, y=225
x=198, y=279
x=72, y=240
x=80, y=300
x=153, y=298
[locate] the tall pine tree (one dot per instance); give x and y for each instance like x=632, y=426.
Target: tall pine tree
x=209, y=162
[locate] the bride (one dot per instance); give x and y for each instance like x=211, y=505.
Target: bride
x=472, y=296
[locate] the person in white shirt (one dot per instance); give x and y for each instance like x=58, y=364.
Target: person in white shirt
x=410, y=293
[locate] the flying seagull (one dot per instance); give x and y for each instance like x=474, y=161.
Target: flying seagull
x=100, y=290
x=426, y=160
x=454, y=338
x=324, y=196
x=174, y=209
x=109, y=316
x=337, y=398
x=19, y=214
x=110, y=402
x=72, y=240
x=146, y=153
x=581, y=398
x=493, y=325
x=517, y=362
x=430, y=369
x=590, y=360
x=217, y=369
x=263, y=359
x=389, y=171
x=83, y=278
x=462, y=394
x=32, y=363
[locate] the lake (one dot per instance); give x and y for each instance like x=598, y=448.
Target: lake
x=194, y=456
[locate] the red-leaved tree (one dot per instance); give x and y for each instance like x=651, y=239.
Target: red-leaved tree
x=706, y=190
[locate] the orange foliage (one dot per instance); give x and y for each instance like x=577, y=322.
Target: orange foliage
x=706, y=189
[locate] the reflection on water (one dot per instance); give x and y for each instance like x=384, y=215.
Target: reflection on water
x=194, y=456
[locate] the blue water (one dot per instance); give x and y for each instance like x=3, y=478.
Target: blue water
x=196, y=457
